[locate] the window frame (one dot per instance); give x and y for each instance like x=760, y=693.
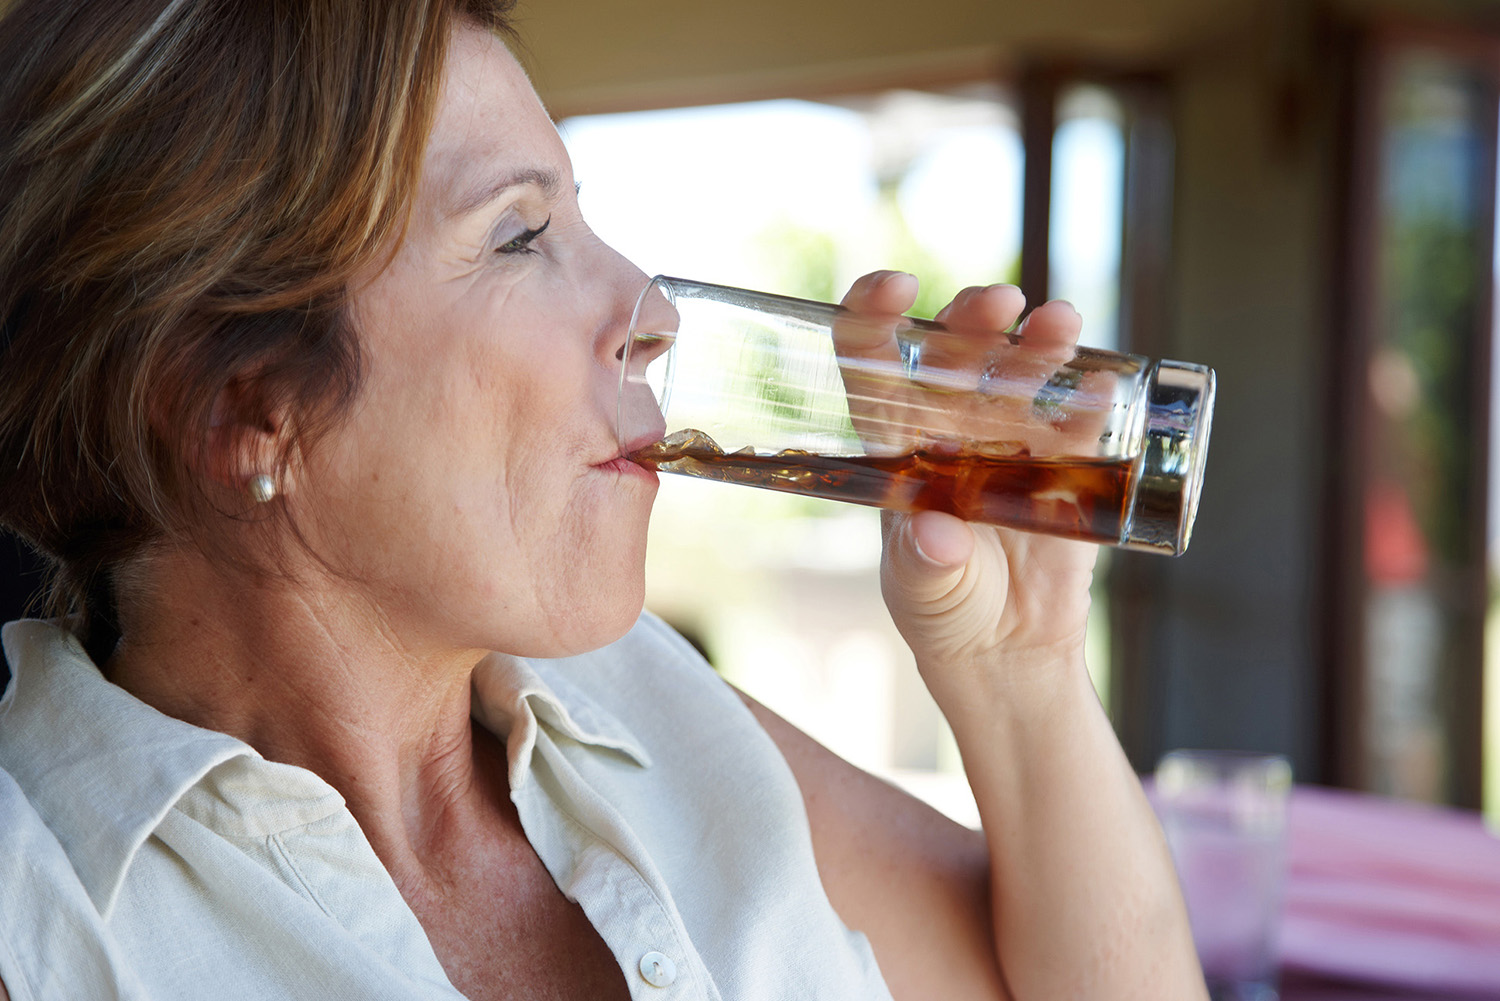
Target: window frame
x=1373, y=54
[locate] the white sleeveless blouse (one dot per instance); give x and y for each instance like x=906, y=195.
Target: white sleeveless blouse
x=145, y=858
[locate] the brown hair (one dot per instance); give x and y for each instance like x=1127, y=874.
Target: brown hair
x=187, y=188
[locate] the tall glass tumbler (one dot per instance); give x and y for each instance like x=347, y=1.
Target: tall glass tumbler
x=902, y=413
x=1225, y=815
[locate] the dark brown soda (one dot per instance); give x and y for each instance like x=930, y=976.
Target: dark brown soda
x=1077, y=498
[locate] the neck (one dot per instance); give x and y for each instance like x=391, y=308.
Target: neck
x=324, y=684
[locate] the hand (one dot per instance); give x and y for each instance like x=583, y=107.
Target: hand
x=968, y=594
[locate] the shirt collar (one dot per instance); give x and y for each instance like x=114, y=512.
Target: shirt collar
x=516, y=698
x=100, y=766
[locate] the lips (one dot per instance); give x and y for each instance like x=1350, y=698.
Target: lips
x=621, y=462
x=640, y=441
x=623, y=467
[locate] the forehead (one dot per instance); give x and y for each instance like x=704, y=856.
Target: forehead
x=488, y=120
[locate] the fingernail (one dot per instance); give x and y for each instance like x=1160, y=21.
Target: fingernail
x=922, y=553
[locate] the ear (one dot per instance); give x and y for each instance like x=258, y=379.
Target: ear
x=247, y=438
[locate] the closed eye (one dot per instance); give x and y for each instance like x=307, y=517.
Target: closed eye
x=522, y=243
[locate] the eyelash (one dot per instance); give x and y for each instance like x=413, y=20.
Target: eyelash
x=522, y=244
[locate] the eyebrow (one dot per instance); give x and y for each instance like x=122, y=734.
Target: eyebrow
x=493, y=187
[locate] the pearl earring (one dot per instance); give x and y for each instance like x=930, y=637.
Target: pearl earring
x=262, y=488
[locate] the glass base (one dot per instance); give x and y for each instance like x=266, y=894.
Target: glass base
x=1242, y=990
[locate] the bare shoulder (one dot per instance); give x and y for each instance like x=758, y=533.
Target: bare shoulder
x=913, y=881
x=4, y=994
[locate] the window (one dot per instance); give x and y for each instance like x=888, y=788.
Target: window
x=1415, y=377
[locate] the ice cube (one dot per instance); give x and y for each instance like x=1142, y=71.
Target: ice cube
x=998, y=449
x=691, y=439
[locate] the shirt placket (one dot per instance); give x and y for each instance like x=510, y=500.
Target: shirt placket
x=592, y=854
x=653, y=950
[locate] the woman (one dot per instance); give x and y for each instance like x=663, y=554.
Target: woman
x=310, y=362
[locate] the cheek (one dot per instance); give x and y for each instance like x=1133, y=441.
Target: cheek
x=552, y=404
x=481, y=421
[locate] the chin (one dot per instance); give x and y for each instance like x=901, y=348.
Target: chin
x=622, y=625
x=618, y=612
x=595, y=623
x=581, y=636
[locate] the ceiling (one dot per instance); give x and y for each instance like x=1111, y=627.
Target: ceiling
x=599, y=55
x=604, y=55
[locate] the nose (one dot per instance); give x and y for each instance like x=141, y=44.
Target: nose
x=642, y=385
x=623, y=286
x=640, y=313
x=653, y=328
x=638, y=316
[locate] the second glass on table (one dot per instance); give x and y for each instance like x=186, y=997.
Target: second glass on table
x=1225, y=817
x=896, y=412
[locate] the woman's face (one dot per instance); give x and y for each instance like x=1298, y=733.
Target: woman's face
x=477, y=494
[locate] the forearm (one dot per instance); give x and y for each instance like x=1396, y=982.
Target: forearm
x=1085, y=898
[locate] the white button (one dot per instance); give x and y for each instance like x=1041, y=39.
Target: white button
x=657, y=970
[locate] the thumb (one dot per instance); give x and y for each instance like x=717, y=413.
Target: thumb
x=926, y=554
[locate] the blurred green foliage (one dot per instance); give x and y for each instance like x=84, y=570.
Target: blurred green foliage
x=796, y=259
x=1432, y=248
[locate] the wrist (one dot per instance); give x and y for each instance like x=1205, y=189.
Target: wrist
x=1016, y=690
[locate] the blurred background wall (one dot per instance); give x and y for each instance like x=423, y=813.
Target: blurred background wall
x=1299, y=193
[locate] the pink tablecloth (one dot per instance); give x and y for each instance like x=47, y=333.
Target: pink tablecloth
x=1391, y=893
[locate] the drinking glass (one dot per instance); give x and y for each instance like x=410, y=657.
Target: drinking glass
x=903, y=413
x=1224, y=814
